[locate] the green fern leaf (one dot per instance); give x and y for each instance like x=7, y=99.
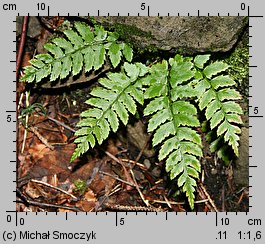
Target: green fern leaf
x=56, y=70
x=101, y=34
x=29, y=73
x=214, y=69
x=222, y=81
x=37, y=63
x=200, y=60
x=77, y=63
x=127, y=52
x=85, y=32
x=115, y=54
x=62, y=43
x=89, y=57
x=53, y=49
x=45, y=57
x=74, y=38
x=121, y=112
x=181, y=146
x=228, y=94
x=80, y=48
x=181, y=72
x=99, y=56
x=110, y=102
x=218, y=96
x=66, y=67
x=42, y=73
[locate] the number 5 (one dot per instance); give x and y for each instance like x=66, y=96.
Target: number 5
x=143, y=6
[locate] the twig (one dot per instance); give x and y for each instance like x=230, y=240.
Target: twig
x=41, y=138
x=123, y=167
x=142, y=150
x=117, y=178
x=132, y=208
x=114, y=190
x=26, y=123
x=54, y=187
x=168, y=203
x=21, y=44
x=134, y=162
x=179, y=203
x=39, y=204
x=138, y=189
x=202, y=191
x=60, y=123
x=223, y=198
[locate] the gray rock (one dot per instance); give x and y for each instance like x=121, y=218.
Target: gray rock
x=241, y=170
x=34, y=26
x=147, y=163
x=185, y=34
x=138, y=137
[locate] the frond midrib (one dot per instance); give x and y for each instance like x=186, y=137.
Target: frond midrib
x=69, y=54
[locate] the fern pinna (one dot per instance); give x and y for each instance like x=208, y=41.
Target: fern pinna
x=115, y=98
x=81, y=48
x=217, y=96
x=172, y=92
x=173, y=120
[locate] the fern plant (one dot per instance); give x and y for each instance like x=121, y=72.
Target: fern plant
x=172, y=92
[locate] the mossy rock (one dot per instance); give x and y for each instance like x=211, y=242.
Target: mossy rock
x=187, y=35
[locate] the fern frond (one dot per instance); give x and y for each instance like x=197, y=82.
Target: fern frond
x=172, y=121
x=81, y=48
x=217, y=97
x=111, y=102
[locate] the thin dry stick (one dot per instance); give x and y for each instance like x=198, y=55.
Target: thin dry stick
x=21, y=44
x=133, y=162
x=208, y=197
x=54, y=187
x=26, y=123
x=132, y=208
x=60, y=123
x=39, y=204
x=122, y=164
x=223, y=198
x=179, y=203
x=41, y=138
x=117, y=178
x=114, y=190
x=138, y=189
x=168, y=203
x=142, y=150
x=20, y=102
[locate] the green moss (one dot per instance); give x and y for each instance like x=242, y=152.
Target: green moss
x=80, y=186
x=239, y=67
x=130, y=33
x=129, y=30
